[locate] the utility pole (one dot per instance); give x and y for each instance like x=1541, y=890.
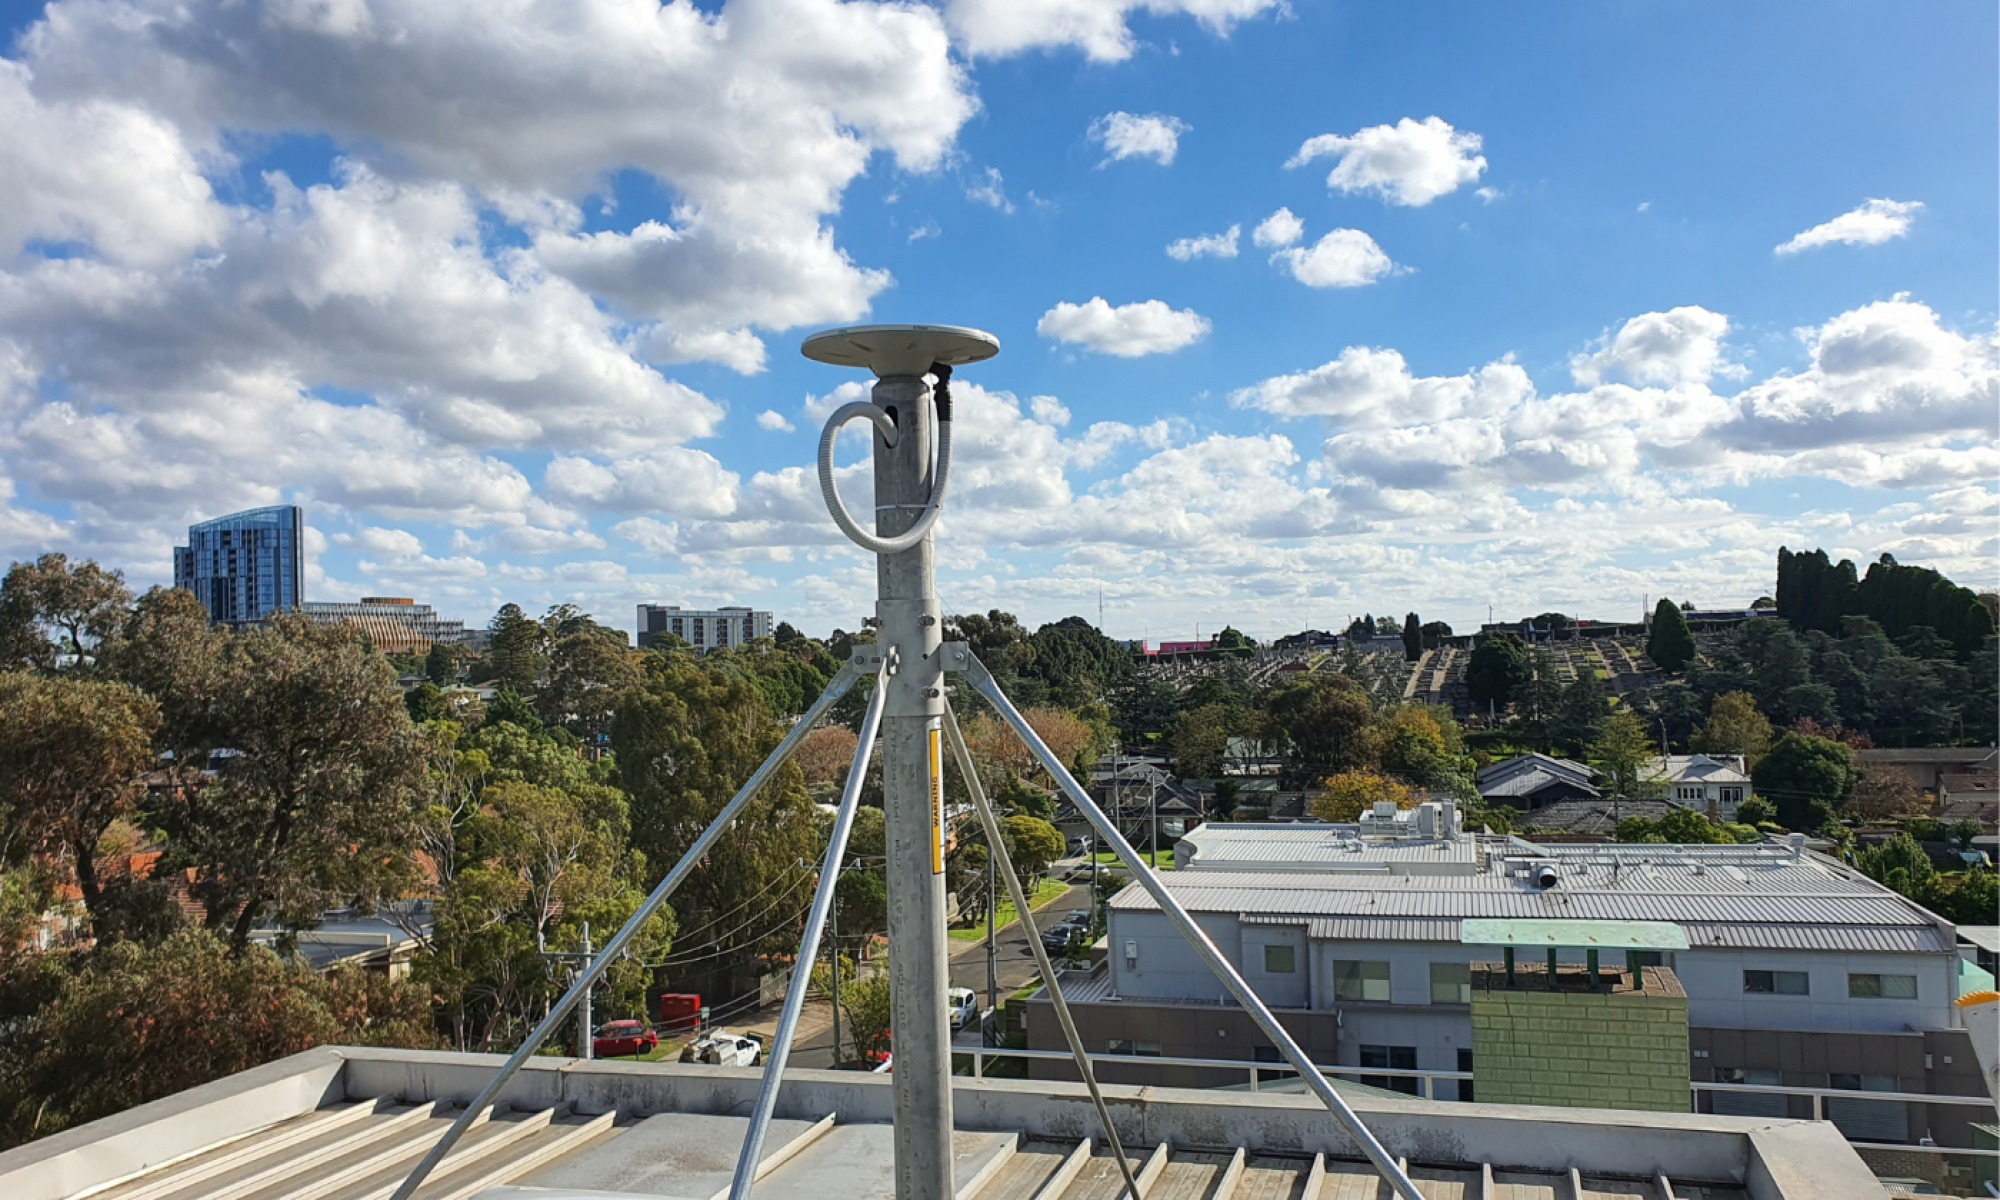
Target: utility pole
x=576, y=964
x=833, y=992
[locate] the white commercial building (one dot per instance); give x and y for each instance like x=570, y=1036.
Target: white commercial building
x=1711, y=784
x=703, y=629
x=1800, y=971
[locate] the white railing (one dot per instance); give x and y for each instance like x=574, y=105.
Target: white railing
x=1427, y=1081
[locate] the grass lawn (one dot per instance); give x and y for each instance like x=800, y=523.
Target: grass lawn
x=1045, y=895
x=1166, y=862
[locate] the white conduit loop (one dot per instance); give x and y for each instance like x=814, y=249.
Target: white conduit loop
x=886, y=426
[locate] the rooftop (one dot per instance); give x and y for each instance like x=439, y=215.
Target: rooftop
x=344, y=1123
x=1763, y=895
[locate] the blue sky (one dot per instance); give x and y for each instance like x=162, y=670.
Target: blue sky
x=501, y=300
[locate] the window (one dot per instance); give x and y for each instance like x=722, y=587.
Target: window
x=1365, y=981
x=1882, y=987
x=1465, y=1085
x=1732, y=795
x=1451, y=983
x=1777, y=983
x=1748, y=1104
x=1395, y=1058
x=1279, y=960
x=1141, y=1049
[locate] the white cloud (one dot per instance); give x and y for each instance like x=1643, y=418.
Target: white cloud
x=383, y=543
x=1875, y=222
x=773, y=421
x=1409, y=163
x=1373, y=388
x=1682, y=345
x=757, y=118
x=990, y=190
x=997, y=28
x=929, y=229
x=1126, y=135
x=1127, y=331
x=110, y=176
x=1342, y=259
x=1212, y=245
x=1488, y=195
x=1279, y=229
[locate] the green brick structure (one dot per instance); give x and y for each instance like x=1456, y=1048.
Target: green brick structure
x=1616, y=1046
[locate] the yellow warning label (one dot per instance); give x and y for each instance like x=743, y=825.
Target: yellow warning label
x=937, y=803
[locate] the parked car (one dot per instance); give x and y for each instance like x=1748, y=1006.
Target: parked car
x=618, y=1039
x=1056, y=938
x=963, y=1005
x=1079, y=917
x=721, y=1048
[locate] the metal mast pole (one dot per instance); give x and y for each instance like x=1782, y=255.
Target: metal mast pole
x=912, y=799
x=992, y=964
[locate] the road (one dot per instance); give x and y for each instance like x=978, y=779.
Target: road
x=1014, y=966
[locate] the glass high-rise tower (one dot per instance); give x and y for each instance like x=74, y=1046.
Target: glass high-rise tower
x=245, y=566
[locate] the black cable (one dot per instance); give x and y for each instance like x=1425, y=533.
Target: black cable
x=941, y=394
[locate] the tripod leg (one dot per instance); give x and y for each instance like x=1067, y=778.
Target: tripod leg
x=982, y=682
x=835, y=689
x=795, y=994
x=997, y=848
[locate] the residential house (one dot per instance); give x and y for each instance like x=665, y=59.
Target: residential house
x=1711, y=784
x=1534, y=780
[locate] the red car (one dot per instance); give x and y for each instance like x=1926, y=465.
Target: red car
x=619, y=1039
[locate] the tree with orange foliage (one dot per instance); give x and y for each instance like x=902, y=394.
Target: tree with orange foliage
x=1344, y=797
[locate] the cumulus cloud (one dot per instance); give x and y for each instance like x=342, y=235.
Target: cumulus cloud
x=997, y=28
x=1125, y=135
x=773, y=421
x=1127, y=331
x=1682, y=345
x=1212, y=245
x=1279, y=229
x=1875, y=222
x=1344, y=258
x=1409, y=163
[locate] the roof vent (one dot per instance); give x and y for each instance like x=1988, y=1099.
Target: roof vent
x=1798, y=844
x=1544, y=876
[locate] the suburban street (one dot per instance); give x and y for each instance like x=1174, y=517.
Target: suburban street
x=1014, y=969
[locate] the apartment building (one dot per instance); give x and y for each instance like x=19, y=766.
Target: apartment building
x=703, y=629
x=1799, y=972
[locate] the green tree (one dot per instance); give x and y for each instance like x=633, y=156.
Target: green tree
x=1032, y=843
x=685, y=738
x=1756, y=811
x=1669, y=643
x=516, y=651
x=1497, y=668
x=1413, y=638
x=1807, y=777
x=1422, y=744
x=1580, y=712
x=1734, y=726
x=1199, y=740
x=1435, y=632
x=1016, y=795
x=168, y=650
x=1325, y=720
x=127, y=1024
x=49, y=609
x=72, y=752
x=1620, y=752
x=588, y=669
x=441, y=664
x=319, y=801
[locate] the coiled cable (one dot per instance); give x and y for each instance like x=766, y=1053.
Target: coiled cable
x=886, y=426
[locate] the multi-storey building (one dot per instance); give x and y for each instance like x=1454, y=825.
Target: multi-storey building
x=394, y=624
x=245, y=566
x=1799, y=972
x=703, y=629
